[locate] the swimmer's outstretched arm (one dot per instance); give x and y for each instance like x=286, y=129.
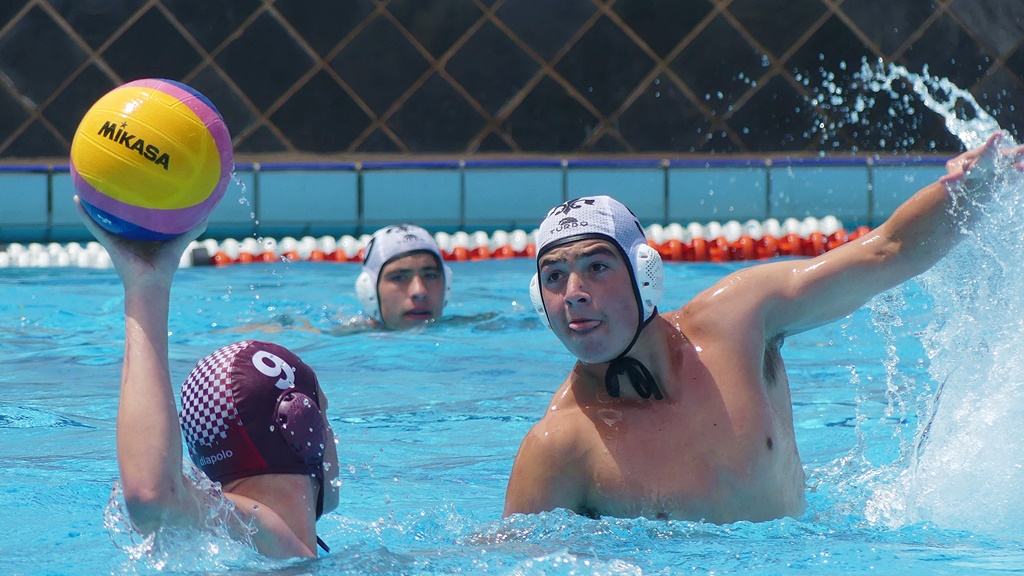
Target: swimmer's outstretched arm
x=149, y=446
x=793, y=296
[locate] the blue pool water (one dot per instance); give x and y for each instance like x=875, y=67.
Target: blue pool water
x=907, y=416
x=429, y=422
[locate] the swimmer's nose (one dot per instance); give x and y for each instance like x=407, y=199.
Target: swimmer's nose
x=574, y=293
x=418, y=288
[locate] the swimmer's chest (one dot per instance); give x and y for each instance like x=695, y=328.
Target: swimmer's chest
x=658, y=461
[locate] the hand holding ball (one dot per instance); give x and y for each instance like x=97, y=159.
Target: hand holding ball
x=151, y=159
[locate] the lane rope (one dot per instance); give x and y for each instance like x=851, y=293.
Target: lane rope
x=695, y=242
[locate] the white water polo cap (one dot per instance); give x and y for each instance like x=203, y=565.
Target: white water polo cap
x=389, y=244
x=606, y=218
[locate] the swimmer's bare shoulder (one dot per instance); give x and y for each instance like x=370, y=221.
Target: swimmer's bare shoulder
x=550, y=468
x=733, y=310
x=269, y=532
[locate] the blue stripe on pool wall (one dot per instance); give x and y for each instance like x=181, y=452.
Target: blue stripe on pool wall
x=301, y=166
x=336, y=198
x=26, y=169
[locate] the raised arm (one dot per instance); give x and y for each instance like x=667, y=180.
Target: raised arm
x=149, y=446
x=793, y=296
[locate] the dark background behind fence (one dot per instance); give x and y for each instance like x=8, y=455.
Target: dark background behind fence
x=465, y=77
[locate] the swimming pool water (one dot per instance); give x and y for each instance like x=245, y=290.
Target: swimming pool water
x=429, y=422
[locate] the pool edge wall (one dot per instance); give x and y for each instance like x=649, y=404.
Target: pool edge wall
x=336, y=198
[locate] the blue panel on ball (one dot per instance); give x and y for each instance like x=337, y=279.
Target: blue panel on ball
x=124, y=229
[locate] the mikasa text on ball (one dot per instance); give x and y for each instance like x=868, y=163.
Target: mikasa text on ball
x=151, y=159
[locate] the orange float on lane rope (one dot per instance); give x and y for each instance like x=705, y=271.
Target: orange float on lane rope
x=744, y=248
x=749, y=245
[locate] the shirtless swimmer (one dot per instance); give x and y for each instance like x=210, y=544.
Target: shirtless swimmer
x=687, y=415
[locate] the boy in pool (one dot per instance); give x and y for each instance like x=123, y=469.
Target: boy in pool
x=253, y=415
x=404, y=282
x=686, y=415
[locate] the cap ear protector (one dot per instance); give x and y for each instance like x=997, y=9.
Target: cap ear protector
x=301, y=424
x=649, y=275
x=366, y=292
x=648, y=272
x=538, y=300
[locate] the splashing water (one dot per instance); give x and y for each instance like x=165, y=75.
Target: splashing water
x=242, y=189
x=940, y=96
x=221, y=543
x=965, y=467
x=879, y=108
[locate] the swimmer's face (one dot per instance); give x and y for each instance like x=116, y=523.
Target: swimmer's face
x=410, y=290
x=588, y=294
x=331, y=471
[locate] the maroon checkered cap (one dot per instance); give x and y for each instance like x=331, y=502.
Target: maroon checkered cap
x=252, y=408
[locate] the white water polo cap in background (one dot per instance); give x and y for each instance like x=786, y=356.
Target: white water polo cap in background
x=389, y=244
x=606, y=218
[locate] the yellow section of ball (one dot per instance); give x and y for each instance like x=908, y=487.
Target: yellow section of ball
x=146, y=148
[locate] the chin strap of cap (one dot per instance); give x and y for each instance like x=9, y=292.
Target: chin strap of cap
x=321, y=544
x=320, y=511
x=639, y=376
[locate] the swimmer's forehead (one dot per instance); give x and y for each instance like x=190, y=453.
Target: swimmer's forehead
x=588, y=248
x=414, y=261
